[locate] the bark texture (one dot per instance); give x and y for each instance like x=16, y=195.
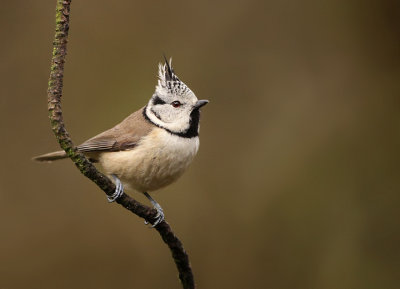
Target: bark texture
x=54, y=94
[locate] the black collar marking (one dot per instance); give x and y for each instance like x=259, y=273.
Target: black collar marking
x=191, y=132
x=156, y=114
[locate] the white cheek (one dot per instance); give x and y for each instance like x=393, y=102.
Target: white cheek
x=173, y=119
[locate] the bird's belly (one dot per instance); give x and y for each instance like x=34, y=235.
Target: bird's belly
x=159, y=159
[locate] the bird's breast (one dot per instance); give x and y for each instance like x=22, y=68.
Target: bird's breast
x=159, y=159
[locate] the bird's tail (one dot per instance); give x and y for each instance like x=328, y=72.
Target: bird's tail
x=51, y=157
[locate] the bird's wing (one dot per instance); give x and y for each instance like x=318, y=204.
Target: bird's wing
x=97, y=144
x=123, y=136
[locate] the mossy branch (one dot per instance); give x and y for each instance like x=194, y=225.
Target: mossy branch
x=54, y=94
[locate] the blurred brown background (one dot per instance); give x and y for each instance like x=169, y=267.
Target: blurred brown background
x=296, y=184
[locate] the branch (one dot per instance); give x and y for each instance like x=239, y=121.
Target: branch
x=54, y=93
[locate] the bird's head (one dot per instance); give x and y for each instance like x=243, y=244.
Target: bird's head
x=173, y=105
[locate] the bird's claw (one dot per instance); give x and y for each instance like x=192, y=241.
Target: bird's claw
x=159, y=217
x=160, y=212
x=119, y=190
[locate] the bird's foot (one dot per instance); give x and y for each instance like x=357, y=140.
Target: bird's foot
x=160, y=212
x=119, y=190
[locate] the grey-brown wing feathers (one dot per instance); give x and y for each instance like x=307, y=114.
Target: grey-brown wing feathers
x=124, y=136
x=97, y=145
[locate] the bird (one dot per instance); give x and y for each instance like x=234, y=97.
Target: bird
x=152, y=147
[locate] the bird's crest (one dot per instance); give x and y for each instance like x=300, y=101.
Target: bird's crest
x=168, y=81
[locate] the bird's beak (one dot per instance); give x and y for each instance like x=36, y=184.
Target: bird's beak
x=200, y=103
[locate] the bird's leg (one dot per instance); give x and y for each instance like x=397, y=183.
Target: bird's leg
x=160, y=211
x=119, y=190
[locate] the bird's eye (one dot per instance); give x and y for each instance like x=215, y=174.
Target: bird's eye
x=176, y=103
